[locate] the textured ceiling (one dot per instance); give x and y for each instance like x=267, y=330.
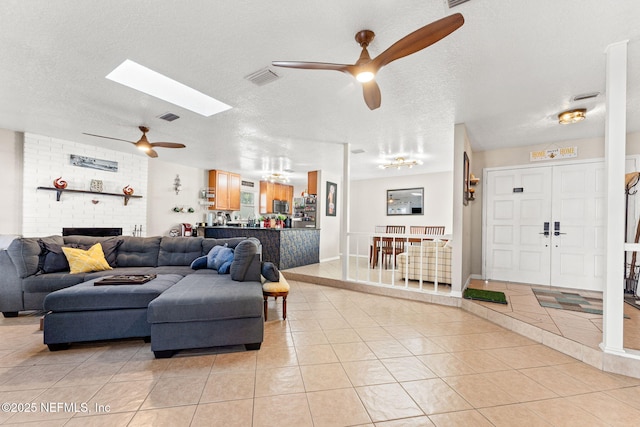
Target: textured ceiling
x=506, y=74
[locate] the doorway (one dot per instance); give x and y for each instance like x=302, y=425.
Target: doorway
x=545, y=225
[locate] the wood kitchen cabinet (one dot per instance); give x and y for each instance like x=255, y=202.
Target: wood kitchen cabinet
x=226, y=187
x=270, y=191
x=312, y=182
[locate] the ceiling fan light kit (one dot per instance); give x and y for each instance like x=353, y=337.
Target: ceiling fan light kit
x=365, y=68
x=572, y=116
x=143, y=143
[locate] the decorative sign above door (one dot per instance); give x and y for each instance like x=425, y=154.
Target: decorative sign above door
x=553, y=153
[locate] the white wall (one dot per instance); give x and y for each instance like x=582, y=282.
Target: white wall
x=46, y=159
x=368, y=202
x=329, y=225
x=11, y=179
x=162, y=197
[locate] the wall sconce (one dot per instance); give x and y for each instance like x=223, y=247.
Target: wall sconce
x=176, y=184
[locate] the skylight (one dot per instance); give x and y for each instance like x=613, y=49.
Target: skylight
x=157, y=85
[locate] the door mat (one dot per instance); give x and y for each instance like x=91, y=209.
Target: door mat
x=568, y=301
x=633, y=301
x=482, y=295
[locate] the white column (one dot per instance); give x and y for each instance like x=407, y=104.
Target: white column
x=615, y=143
x=344, y=217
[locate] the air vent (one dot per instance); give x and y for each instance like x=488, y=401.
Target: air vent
x=262, y=77
x=454, y=3
x=586, y=96
x=357, y=151
x=169, y=117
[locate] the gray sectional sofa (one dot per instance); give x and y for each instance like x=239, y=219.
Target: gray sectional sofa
x=182, y=308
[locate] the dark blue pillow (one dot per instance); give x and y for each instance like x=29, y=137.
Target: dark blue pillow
x=199, y=263
x=270, y=272
x=224, y=255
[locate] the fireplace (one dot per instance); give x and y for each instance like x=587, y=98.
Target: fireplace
x=92, y=231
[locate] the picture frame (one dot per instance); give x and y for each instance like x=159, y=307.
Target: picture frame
x=466, y=173
x=331, y=199
x=405, y=201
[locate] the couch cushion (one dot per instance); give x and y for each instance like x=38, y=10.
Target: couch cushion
x=179, y=250
x=244, y=257
x=183, y=270
x=138, y=252
x=45, y=283
x=204, y=298
x=86, y=296
x=25, y=253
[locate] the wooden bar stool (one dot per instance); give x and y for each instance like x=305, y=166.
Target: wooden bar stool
x=276, y=289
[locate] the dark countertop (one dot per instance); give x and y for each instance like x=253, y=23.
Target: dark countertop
x=258, y=228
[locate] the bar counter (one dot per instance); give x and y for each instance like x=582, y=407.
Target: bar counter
x=285, y=247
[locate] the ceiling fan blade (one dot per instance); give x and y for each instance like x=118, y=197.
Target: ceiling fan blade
x=167, y=145
x=151, y=153
x=313, y=65
x=107, y=137
x=372, y=95
x=419, y=39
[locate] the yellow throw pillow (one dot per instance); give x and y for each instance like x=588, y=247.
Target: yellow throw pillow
x=81, y=261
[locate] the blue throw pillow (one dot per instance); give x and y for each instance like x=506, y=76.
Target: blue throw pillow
x=225, y=268
x=270, y=272
x=223, y=256
x=211, y=256
x=199, y=263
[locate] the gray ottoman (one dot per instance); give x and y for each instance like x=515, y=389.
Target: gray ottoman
x=85, y=312
x=206, y=311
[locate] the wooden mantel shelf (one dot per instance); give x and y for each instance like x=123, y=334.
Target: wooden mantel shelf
x=59, y=192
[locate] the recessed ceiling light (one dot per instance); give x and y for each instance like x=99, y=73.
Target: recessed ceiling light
x=155, y=84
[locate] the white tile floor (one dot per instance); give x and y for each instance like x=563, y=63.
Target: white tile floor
x=341, y=358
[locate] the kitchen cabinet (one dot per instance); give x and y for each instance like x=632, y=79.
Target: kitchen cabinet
x=312, y=182
x=270, y=191
x=226, y=188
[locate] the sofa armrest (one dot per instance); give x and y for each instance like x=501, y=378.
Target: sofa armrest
x=10, y=285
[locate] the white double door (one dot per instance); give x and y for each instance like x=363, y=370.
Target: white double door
x=545, y=225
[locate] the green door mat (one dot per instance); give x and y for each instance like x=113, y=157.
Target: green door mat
x=482, y=295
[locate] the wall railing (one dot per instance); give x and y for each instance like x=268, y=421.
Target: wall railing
x=367, y=263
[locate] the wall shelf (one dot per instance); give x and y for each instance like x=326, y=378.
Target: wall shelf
x=59, y=192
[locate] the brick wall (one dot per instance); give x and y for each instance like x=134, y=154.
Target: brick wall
x=47, y=158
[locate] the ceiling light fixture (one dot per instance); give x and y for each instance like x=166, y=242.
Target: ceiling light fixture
x=401, y=162
x=572, y=116
x=160, y=86
x=276, y=177
x=365, y=76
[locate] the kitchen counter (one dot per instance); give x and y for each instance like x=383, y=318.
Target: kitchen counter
x=285, y=247
x=234, y=227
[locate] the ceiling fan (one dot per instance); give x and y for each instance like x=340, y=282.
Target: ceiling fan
x=365, y=68
x=143, y=143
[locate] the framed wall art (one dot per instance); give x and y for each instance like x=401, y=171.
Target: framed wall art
x=332, y=198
